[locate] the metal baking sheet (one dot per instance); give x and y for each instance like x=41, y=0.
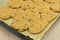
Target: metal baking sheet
x=27, y=36
x=12, y=30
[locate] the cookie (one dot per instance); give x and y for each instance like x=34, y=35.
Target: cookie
x=48, y=14
x=54, y=5
x=51, y=17
x=14, y=3
x=6, y=13
x=37, y=25
x=20, y=23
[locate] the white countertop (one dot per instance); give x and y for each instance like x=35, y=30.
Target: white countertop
x=6, y=35
x=53, y=33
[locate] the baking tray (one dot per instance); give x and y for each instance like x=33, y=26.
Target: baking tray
x=22, y=35
x=14, y=31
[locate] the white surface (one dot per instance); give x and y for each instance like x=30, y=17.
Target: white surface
x=3, y=2
x=6, y=35
x=53, y=33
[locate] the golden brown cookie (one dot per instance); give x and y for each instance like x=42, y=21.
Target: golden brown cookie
x=37, y=25
x=48, y=14
x=20, y=23
x=14, y=3
x=55, y=5
x=5, y=12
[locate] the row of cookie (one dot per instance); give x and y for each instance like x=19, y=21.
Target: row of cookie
x=34, y=22
x=36, y=18
x=21, y=19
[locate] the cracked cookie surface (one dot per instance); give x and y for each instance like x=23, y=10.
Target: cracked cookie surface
x=31, y=15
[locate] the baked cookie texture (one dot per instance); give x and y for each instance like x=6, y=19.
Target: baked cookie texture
x=31, y=15
x=6, y=13
x=55, y=5
x=14, y=3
